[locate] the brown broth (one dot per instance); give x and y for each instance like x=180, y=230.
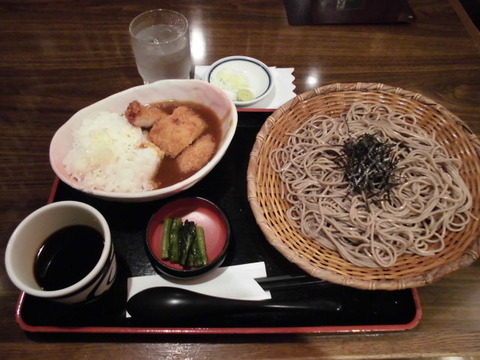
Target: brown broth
x=168, y=173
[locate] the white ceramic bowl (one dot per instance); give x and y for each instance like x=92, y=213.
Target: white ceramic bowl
x=180, y=90
x=254, y=73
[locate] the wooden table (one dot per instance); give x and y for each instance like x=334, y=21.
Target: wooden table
x=59, y=56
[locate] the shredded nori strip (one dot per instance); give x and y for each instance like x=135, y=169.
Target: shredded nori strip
x=369, y=167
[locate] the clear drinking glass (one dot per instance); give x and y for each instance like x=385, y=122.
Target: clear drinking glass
x=161, y=45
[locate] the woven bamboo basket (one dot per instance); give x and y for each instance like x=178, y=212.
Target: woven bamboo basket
x=264, y=188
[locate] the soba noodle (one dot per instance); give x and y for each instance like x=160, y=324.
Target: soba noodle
x=429, y=200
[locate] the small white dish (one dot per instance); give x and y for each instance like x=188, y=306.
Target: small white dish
x=244, y=79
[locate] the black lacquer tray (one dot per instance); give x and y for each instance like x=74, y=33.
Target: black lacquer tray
x=225, y=186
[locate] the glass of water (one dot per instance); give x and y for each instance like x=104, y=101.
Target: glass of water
x=161, y=45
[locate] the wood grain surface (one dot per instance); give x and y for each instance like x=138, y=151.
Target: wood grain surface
x=59, y=56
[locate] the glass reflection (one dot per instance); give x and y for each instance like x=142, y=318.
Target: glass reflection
x=197, y=44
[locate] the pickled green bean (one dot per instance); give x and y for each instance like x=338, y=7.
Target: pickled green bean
x=202, y=248
x=167, y=228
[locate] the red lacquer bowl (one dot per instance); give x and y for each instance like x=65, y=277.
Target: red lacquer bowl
x=203, y=213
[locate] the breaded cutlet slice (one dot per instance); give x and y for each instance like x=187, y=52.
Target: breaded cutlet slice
x=143, y=116
x=196, y=155
x=173, y=133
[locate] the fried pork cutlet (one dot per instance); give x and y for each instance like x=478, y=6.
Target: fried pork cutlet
x=173, y=133
x=143, y=115
x=196, y=155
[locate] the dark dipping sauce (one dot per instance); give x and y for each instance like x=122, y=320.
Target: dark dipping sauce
x=67, y=256
x=168, y=173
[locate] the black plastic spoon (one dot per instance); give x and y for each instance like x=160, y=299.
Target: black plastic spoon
x=170, y=304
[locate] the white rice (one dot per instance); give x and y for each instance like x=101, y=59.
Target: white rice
x=108, y=153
